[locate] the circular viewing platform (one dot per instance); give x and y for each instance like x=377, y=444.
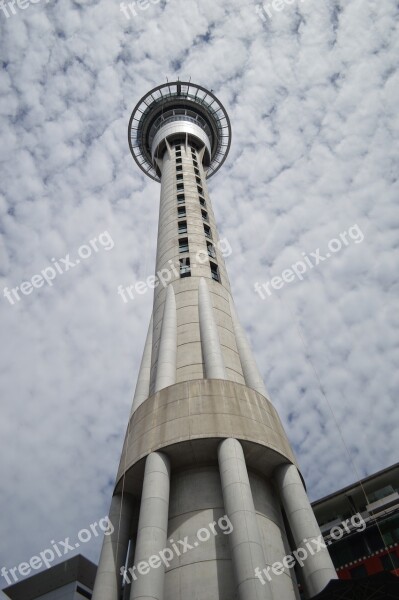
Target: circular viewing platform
x=174, y=102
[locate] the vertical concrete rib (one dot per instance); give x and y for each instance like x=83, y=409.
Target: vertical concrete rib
x=167, y=357
x=318, y=568
x=108, y=583
x=250, y=369
x=211, y=349
x=143, y=381
x=245, y=540
x=153, y=528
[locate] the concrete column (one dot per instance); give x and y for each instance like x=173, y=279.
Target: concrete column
x=253, y=378
x=167, y=356
x=143, y=381
x=113, y=554
x=211, y=349
x=245, y=541
x=153, y=528
x=318, y=568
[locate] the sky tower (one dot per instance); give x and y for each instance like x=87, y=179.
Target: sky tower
x=208, y=494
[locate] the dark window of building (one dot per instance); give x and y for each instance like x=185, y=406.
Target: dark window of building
x=177, y=147
x=178, y=161
x=180, y=186
x=198, y=180
x=214, y=271
x=178, y=155
x=381, y=493
x=200, y=190
x=179, y=176
x=390, y=561
x=390, y=530
x=185, y=268
x=195, y=163
x=83, y=592
x=211, y=250
x=196, y=171
x=207, y=230
x=202, y=201
x=205, y=215
x=181, y=211
x=182, y=226
x=359, y=571
x=179, y=168
x=183, y=245
x=180, y=198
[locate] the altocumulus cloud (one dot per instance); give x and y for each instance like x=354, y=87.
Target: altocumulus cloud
x=312, y=95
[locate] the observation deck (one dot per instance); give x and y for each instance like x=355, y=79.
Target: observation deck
x=172, y=110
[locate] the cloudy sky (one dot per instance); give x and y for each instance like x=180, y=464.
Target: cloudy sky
x=312, y=92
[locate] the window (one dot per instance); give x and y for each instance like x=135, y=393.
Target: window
x=185, y=268
x=181, y=211
x=390, y=561
x=178, y=161
x=200, y=190
x=214, y=271
x=177, y=147
x=179, y=176
x=83, y=592
x=211, y=250
x=204, y=215
x=198, y=180
x=195, y=163
x=178, y=154
x=381, y=493
x=180, y=186
x=202, y=201
x=182, y=227
x=180, y=198
x=179, y=168
x=207, y=230
x=196, y=171
x=183, y=245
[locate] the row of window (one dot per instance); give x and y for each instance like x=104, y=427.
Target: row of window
x=185, y=268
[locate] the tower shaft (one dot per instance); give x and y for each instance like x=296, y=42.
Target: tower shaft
x=208, y=484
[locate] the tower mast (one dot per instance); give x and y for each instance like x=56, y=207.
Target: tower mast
x=206, y=455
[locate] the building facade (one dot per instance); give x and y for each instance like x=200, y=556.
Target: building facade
x=73, y=579
x=374, y=548
x=208, y=495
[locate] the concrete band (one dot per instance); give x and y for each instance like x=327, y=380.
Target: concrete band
x=206, y=411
